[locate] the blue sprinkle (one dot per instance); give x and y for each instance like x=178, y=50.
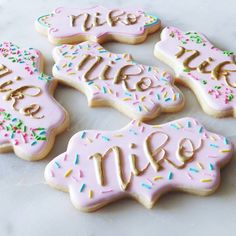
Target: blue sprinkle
x=193, y=170
x=170, y=175
x=58, y=68
x=146, y=186
x=149, y=68
x=174, y=126
x=12, y=135
x=211, y=166
x=33, y=143
x=82, y=188
x=200, y=130
x=128, y=94
x=82, y=135
x=14, y=119
x=189, y=124
x=139, y=108
x=213, y=145
x=158, y=97
x=42, y=132
x=104, y=90
x=167, y=99
x=226, y=141
x=57, y=164
x=76, y=159
x=90, y=82
x=105, y=138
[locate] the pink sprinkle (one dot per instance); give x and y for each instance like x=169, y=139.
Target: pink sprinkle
x=142, y=129
x=149, y=181
x=81, y=174
x=189, y=176
x=65, y=157
x=16, y=142
x=74, y=178
x=52, y=173
x=107, y=191
x=97, y=135
x=212, y=156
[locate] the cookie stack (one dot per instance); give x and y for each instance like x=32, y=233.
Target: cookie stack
x=140, y=160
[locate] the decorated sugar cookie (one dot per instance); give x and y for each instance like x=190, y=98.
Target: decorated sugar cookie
x=29, y=115
x=207, y=70
x=139, y=91
x=139, y=161
x=98, y=24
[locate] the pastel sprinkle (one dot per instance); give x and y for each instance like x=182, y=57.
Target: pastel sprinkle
x=57, y=164
x=200, y=130
x=224, y=151
x=226, y=141
x=83, y=135
x=90, y=194
x=170, y=176
x=76, y=159
x=146, y=186
x=193, y=170
x=211, y=166
x=205, y=180
x=157, y=178
x=82, y=187
x=68, y=172
x=105, y=138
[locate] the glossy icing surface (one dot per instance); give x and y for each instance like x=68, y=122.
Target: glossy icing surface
x=211, y=71
x=116, y=79
x=26, y=122
x=96, y=22
x=141, y=161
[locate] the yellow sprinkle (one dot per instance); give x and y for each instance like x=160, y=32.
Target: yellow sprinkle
x=96, y=86
x=174, y=97
x=126, y=99
x=157, y=177
x=223, y=151
x=156, y=126
x=90, y=194
x=89, y=140
x=200, y=165
x=64, y=65
x=118, y=135
x=138, y=123
x=142, y=98
x=145, y=108
x=205, y=180
x=68, y=172
x=109, y=91
x=71, y=73
x=212, y=138
x=165, y=94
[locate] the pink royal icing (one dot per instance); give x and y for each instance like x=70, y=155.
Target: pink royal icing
x=95, y=23
x=209, y=71
x=26, y=121
x=117, y=80
x=141, y=161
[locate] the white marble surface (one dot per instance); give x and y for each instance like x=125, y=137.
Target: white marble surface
x=29, y=207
